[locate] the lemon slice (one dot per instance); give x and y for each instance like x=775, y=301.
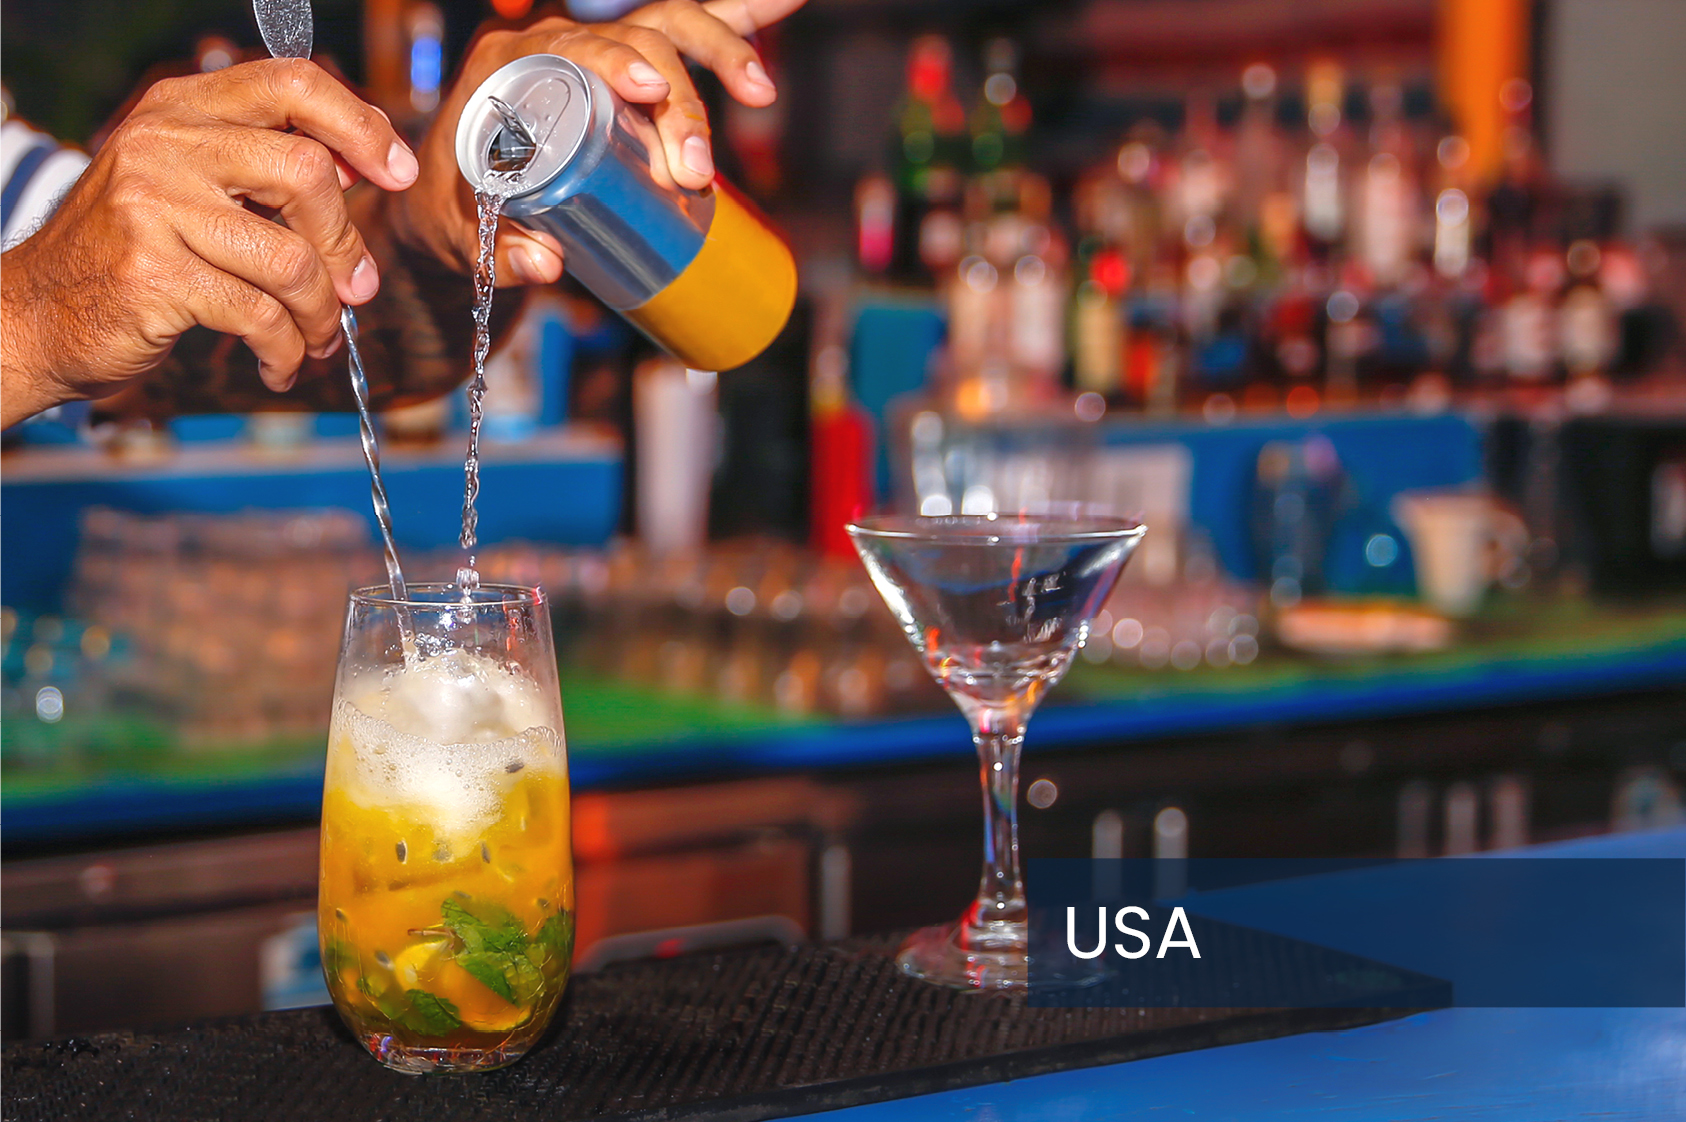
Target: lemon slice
x=416, y=960
x=478, y=1007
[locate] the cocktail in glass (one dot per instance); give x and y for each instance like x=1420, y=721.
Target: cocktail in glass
x=996, y=605
x=447, y=893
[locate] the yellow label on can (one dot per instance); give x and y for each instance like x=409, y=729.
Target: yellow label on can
x=734, y=297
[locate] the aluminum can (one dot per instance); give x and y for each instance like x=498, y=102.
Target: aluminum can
x=701, y=273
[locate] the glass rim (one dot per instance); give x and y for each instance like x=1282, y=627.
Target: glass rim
x=903, y=527
x=503, y=596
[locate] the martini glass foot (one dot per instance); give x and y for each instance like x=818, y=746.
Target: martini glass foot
x=963, y=957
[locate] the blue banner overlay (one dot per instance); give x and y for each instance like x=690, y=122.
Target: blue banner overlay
x=1314, y=933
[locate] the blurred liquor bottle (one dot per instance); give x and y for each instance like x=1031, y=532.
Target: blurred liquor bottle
x=932, y=149
x=841, y=461
x=875, y=224
x=1033, y=257
x=755, y=134
x=1587, y=329
x=1515, y=203
x=1203, y=209
x=1261, y=154
x=1116, y=237
x=1098, y=330
x=999, y=124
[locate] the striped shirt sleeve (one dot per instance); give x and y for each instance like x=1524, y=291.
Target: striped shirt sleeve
x=35, y=172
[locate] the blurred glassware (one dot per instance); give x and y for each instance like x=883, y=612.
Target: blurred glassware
x=232, y=618
x=1299, y=492
x=1213, y=622
x=996, y=608
x=988, y=442
x=1460, y=542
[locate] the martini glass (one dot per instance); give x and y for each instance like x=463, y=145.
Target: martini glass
x=996, y=605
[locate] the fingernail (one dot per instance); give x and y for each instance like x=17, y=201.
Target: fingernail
x=645, y=75
x=365, y=279
x=696, y=155
x=757, y=74
x=524, y=263
x=331, y=348
x=401, y=162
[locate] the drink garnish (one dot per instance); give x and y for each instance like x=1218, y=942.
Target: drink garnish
x=423, y=1013
x=496, y=951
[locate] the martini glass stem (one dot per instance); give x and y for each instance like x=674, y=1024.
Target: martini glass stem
x=999, y=735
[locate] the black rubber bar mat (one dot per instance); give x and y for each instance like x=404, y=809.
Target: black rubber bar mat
x=739, y=1036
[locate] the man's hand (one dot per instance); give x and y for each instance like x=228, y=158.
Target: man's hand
x=639, y=56
x=159, y=234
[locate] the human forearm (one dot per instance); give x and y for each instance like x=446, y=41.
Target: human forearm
x=27, y=382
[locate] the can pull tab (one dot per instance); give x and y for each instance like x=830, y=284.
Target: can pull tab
x=513, y=147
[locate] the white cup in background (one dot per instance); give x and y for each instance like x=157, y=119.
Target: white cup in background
x=1459, y=542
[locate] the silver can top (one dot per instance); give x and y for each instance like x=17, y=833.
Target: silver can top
x=596, y=180
x=552, y=96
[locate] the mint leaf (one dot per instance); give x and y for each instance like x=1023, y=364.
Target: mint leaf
x=488, y=970
x=524, y=978
x=486, y=928
x=556, y=935
x=494, y=948
x=429, y=1015
x=419, y=1011
x=512, y=977
x=336, y=956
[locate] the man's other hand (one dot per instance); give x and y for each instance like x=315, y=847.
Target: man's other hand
x=168, y=228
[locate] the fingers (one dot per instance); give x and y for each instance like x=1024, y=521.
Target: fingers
x=223, y=303
x=275, y=261
x=702, y=34
x=623, y=67
x=300, y=178
x=294, y=93
x=680, y=118
x=746, y=17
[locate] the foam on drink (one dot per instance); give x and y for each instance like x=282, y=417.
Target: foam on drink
x=444, y=738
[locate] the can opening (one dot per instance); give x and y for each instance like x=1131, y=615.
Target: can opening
x=512, y=147
x=525, y=123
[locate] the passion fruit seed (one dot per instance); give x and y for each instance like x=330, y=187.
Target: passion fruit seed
x=403, y=852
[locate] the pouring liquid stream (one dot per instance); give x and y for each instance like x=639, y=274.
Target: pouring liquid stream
x=489, y=199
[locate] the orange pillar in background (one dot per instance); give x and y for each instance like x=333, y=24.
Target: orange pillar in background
x=1482, y=45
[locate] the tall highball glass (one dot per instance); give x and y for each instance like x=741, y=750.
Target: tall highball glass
x=446, y=907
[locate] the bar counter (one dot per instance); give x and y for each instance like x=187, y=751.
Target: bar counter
x=744, y=1035
x=779, y=1032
